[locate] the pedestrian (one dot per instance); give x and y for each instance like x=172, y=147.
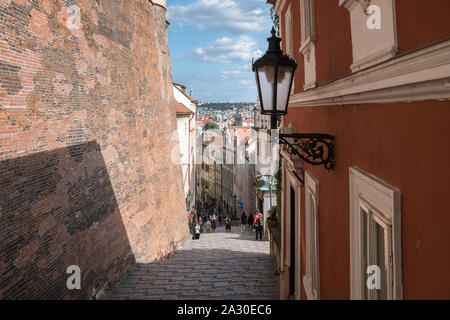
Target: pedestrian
x=243, y=221
x=208, y=226
x=258, y=225
x=192, y=223
x=213, y=222
x=250, y=222
x=197, y=232
x=227, y=224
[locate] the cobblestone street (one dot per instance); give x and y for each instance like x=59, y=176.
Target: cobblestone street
x=219, y=266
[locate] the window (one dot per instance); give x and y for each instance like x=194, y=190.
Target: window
x=375, y=44
x=311, y=279
x=289, y=32
x=307, y=21
x=374, y=237
x=376, y=250
x=308, y=45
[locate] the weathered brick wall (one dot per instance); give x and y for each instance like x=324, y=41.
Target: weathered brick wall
x=86, y=118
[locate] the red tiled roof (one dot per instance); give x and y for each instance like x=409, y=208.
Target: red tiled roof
x=243, y=132
x=181, y=109
x=190, y=98
x=182, y=86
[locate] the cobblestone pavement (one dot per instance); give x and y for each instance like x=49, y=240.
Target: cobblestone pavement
x=231, y=266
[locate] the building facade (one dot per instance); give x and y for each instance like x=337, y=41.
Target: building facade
x=243, y=170
x=186, y=109
x=228, y=202
x=375, y=75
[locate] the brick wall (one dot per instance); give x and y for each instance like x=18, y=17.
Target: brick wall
x=86, y=119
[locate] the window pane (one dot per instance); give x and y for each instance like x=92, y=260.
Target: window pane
x=266, y=76
x=284, y=82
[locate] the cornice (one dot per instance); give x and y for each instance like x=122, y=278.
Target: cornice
x=421, y=75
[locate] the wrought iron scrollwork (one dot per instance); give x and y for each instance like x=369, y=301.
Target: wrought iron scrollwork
x=316, y=149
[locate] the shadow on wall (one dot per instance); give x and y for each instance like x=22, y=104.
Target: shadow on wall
x=57, y=209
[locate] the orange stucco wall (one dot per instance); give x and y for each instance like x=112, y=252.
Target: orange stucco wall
x=406, y=145
x=299, y=80
x=334, y=43
x=421, y=23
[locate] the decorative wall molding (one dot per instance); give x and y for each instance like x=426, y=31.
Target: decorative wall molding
x=279, y=5
x=312, y=289
x=350, y=4
x=292, y=180
x=421, y=75
x=308, y=43
x=366, y=41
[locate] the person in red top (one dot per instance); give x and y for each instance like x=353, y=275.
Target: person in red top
x=258, y=225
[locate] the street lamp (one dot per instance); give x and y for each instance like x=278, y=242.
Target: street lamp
x=274, y=73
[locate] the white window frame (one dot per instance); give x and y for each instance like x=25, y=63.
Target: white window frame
x=377, y=196
x=289, y=28
x=311, y=280
x=374, y=217
x=371, y=47
x=294, y=183
x=307, y=22
x=308, y=42
x=288, y=167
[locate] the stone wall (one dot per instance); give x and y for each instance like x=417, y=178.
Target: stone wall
x=86, y=119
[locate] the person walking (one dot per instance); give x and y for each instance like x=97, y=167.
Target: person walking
x=192, y=223
x=197, y=232
x=258, y=225
x=227, y=224
x=243, y=221
x=250, y=222
x=213, y=222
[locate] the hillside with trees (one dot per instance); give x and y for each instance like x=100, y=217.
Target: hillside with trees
x=225, y=105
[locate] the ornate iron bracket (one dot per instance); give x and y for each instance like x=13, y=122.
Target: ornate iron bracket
x=316, y=149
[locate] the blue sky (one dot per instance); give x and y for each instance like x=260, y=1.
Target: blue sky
x=212, y=43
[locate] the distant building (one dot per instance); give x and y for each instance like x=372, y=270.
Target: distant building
x=243, y=170
x=186, y=109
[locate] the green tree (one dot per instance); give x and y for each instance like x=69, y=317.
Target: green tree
x=210, y=126
x=275, y=20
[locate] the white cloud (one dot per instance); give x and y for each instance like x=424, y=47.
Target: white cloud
x=247, y=83
x=222, y=15
x=226, y=50
x=238, y=72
